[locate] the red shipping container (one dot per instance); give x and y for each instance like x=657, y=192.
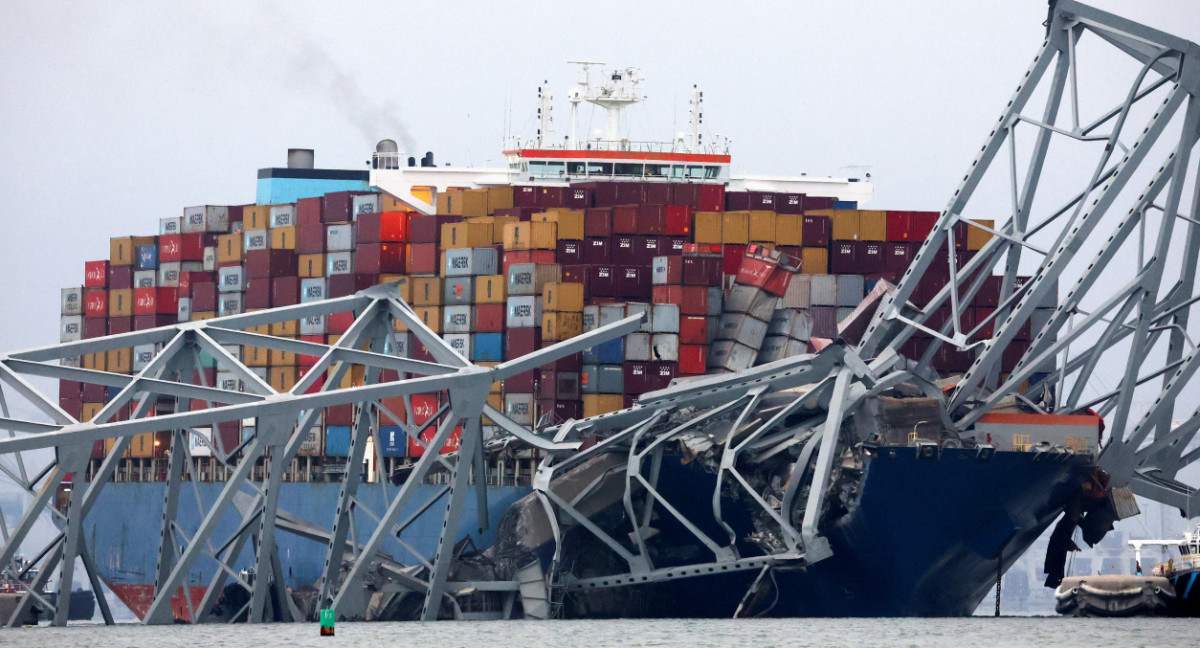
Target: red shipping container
x=310, y=238
x=898, y=256
x=120, y=277
x=598, y=222
x=422, y=258
x=596, y=251
x=303, y=360
x=380, y=258
x=777, y=282
x=711, y=198
x=145, y=322
x=870, y=257
x=94, y=327
x=257, y=293
x=270, y=263
x=733, y=258
x=789, y=203
x=117, y=325
x=625, y=219
x=693, y=300
x=674, y=270
x=95, y=274
x=656, y=193
x=667, y=294
x=95, y=303
x=180, y=247
x=308, y=210
x=338, y=207
x=489, y=318
x=685, y=194
x=979, y=316
x=814, y=230
x=204, y=297
x=899, y=227
x=677, y=220
x=339, y=323
x=521, y=341
x=569, y=252
x=189, y=280
x=339, y=286
x=381, y=227
x=151, y=301
x=921, y=224
x=755, y=271
x=451, y=445
x=301, y=372
x=285, y=291
x=339, y=415
x=652, y=220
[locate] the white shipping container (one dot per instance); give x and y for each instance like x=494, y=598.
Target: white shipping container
x=664, y=318
x=256, y=240
x=233, y=350
x=530, y=278
x=339, y=238
x=312, y=325
x=312, y=289
x=743, y=329
x=658, y=270
x=638, y=348
x=168, y=274
x=170, y=225
x=465, y=262
x=228, y=381
x=779, y=347
x=791, y=322
x=524, y=311
x=205, y=218
x=460, y=342
x=70, y=328
x=850, y=290
x=798, y=294
x=637, y=308
x=457, y=291
x=184, y=312
x=73, y=361
x=366, y=204
x=72, y=301
x=338, y=263
x=229, y=304
x=519, y=408
x=666, y=347
x=231, y=279
x=398, y=346
x=731, y=356
x=823, y=290
x=145, y=278
x=751, y=300
x=591, y=318
x=611, y=313
x=283, y=215
x=142, y=355
x=716, y=301
x=457, y=319
x=209, y=264
x=200, y=443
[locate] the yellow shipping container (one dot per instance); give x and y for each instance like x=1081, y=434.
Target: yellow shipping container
x=475, y=202
x=498, y=223
x=283, y=238
x=97, y=361
x=255, y=356
x=200, y=316
x=844, y=224
x=561, y=326
x=289, y=328
x=352, y=378
x=530, y=236
x=390, y=203
x=311, y=265
x=119, y=360
x=788, y=228
x=431, y=316
x=403, y=285
x=450, y=202
x=570, y=223
x=282, y=379
x=976, y=238
x=466, y=235
x=562, y=297
x=762, y=226
x=872, y=225
x=277, y=358
x=255, y=217
x=90, y=410
x=708, y=227
x=499, y=198
x=814, y=260
x=490, y=289
x=426, y=291
x=735, y=227
x=229, y=248
x=123, y=251
x=120, y=302
x=142, y=446
x=597, y=404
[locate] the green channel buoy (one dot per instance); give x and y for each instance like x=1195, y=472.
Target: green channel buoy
x=327, y=618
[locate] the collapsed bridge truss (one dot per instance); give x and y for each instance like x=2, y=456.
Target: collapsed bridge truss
x=1113, y=287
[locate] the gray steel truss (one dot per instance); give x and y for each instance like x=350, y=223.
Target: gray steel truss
x=1112, y=287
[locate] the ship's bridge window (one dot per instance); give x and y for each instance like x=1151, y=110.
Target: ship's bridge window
x=547, y=169
x=677, y=171
x=695, y=172
x=575, y=168
x=712, y=172
x=600, y=168
x=657, y=170
x=628, y=169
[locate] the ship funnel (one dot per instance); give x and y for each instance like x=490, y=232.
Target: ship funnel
x=387, y=155
x=427, y=161
x=300, y=158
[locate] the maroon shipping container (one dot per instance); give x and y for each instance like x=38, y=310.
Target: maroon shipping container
x=597, y=222
x=732, y=258
x=117, y=325
x=525, y=196
x=693, y=300
x=364, y=280
x=120, y=277
x=920, y=224
x=870, y=257
x=702, y=270
x=577, y=197
x=204, y=297
x=551, y=197
x=489, y=318
x=285, y=291
x=824, y=322
x=652, y=219
x=898, y=256
x=843, y=258
x=576, y=273
x=308, y=210
x=600, y=280
x=637, y=377
x=557, y=411
x=813, y=203
x=814, y=230
x=573, y=362
x=645, y=249
x=789, y=203
x=712, y=198
x=143, y=322
x=340, y=285
x=93, y=393
x=424, y=229
x=258, y=293
x=632, y=281
x=519, y=213
x=674, y=271
x=597, y=251
x=270, y=263
x=310, y=238
x=989, y=292
x=624, y=251
x=672, y=245
x=656, y=193
x=737, y=200
x=94, y=327
x=569, y=252
x=629, y=193
x=235, y=215
x=423, y=259
x=338, y=207
x=625, y=219
x=684, y=193
x=661, y=374
x=71, y=389
x=380, y=258
x=604, y=194
x=343, y=414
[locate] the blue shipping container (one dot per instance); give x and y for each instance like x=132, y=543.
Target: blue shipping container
x=488, y=347
x=337, y=441
x=845, y=204
x=147, y=257
x=392, y=441
x=611, y=352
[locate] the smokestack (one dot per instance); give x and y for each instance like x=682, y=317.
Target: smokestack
x=300, y=158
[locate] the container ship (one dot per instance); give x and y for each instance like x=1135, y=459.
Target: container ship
x=731, y=273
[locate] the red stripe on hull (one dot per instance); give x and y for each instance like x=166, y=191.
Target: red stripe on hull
x=138, y=597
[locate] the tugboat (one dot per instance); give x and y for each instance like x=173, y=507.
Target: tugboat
x=1181, y=572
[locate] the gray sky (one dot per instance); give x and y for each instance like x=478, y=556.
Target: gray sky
x=113, y=115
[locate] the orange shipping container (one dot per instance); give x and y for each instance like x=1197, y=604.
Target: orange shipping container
x=597, y=404
x=814, y=260
x=256, y=217
x=977, y=238
x=431, y=316
x=475, y=202
x=490, y=289
x=402, y=284
x=563, y=297
x=142, y=446
x=788, y=229
x=277, y=358
x=499, y=198
x=426, y=291
x=498, y=223
x=122, y=251
x=353, y=377
x=570, y=223
x=120, y=302
x=200, y=316
x=708, y=227
x=735, y=228
x=530, y=236
x=845, y=225
x=283, y=238
x=762, y=226
x=229, y=248
x=119, y=360
x=255, y=356
x=311, y=265
x=90, y=410
x=288, y=328
x=282, y=379
x=97, y=361
x=561, y=326
x=872, y=225
x=466, y=235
